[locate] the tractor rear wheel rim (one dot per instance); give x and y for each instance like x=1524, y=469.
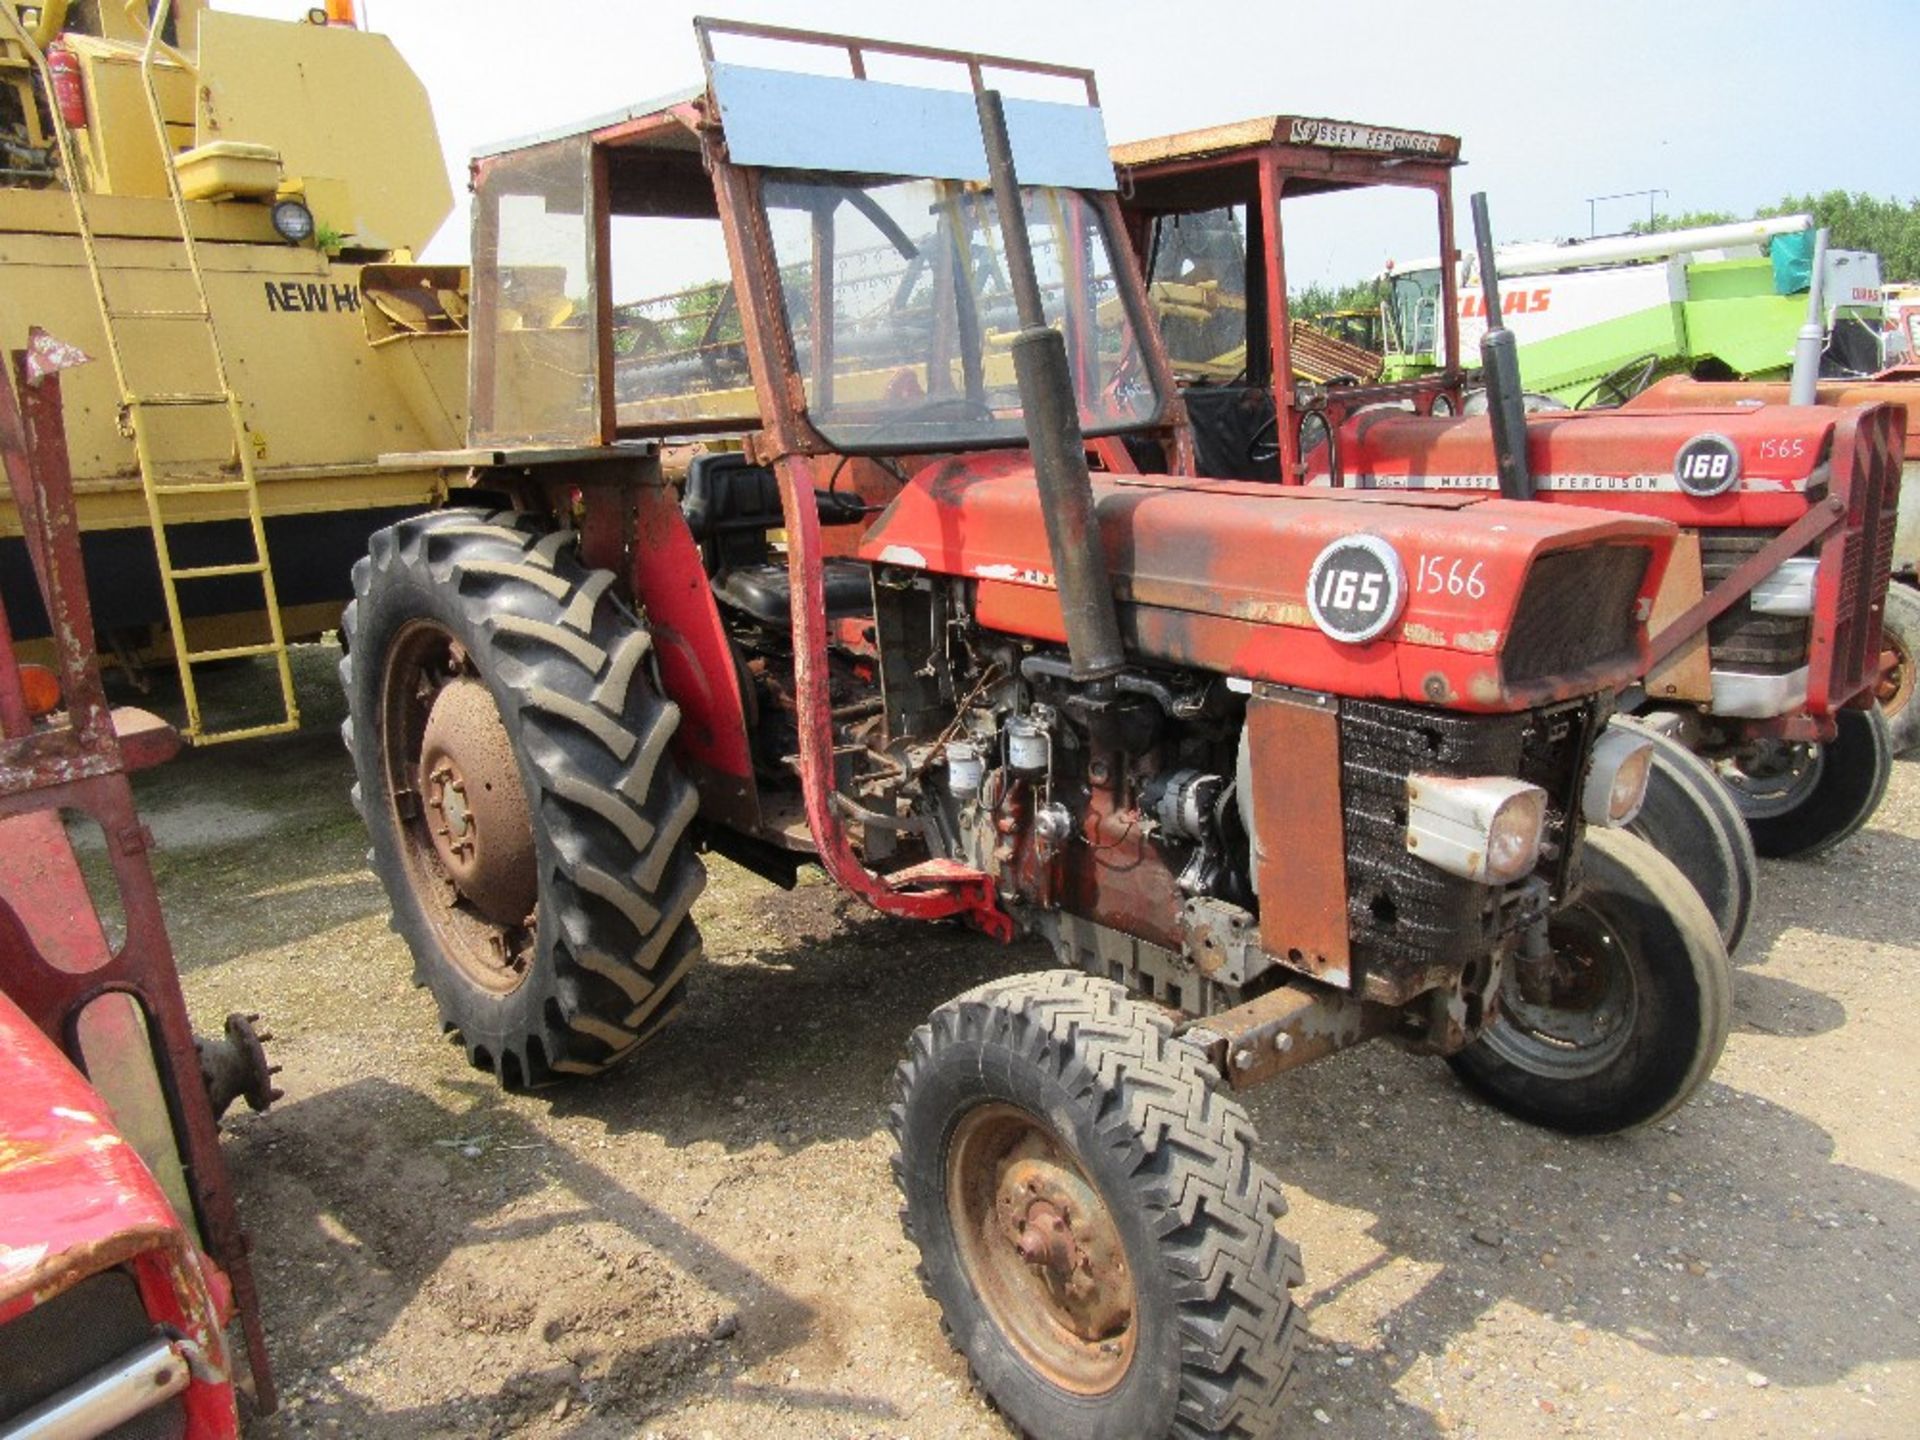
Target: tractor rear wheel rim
x=1041, y=1249
x=465, y=827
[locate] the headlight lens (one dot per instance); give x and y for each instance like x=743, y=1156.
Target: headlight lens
x=293, y=220
x=1513, y=843
x=1482, y=828
x=1617, y=780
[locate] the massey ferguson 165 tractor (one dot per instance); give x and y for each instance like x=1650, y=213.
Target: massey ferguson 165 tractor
x=1264, y=777
x=1767, y=636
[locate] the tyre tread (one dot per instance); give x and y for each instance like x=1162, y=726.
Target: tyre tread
x=615, y=810
x=1154, y=1098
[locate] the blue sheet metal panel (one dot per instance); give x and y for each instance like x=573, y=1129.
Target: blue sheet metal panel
x=788, y=121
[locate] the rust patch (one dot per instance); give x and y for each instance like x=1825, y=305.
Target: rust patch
x=1299, y=833
x=1484, y=686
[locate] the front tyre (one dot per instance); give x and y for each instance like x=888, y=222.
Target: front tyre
x=1802, y=800
x=1628, y=1016
x=1090, y=1216
x=1689, y=817
x=510, y=761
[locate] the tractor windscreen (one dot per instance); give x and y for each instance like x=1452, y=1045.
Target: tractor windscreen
x=896, y=294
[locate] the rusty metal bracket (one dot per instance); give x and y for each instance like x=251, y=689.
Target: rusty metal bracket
x=1814, y=525
x=1284, y=1029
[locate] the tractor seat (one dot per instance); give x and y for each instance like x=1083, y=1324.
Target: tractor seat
x=765, y=591
x=730, y=505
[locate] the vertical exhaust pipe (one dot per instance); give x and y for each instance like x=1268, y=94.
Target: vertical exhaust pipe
x=1500, y=368
x=1053, y=430
x=1803, y=384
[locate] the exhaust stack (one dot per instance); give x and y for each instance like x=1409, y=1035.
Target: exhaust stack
x=1500, y=368
x=1053, y=430
x=1804, y=383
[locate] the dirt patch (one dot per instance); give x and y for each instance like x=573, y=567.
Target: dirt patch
x=706, y=1244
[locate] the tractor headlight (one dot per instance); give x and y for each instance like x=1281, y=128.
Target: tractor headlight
x=293, y=220
x=1485, y=828
x=1616, y=785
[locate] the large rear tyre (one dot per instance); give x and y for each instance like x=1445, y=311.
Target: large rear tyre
x=1802, y=800
x=1631, y=1013
x=1690, y=818
x=510, y=760
x=1090, y=1216
x=1899, y=675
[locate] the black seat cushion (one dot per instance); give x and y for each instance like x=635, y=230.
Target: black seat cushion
x=1227, y=420
x=763, y=591
x=724, y=491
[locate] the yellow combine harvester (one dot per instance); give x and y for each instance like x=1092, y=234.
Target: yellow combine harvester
x=222, y=211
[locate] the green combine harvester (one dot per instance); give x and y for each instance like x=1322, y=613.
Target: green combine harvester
x=1599, y=320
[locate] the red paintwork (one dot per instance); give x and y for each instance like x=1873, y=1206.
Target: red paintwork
x=1680, y=393
x=1781, y=447
x=696, y=662
x=75, y=1199
x=53, y=957
x=1627, y=459
x=1212, y=573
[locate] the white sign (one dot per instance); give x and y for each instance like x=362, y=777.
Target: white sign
x=1338, y=136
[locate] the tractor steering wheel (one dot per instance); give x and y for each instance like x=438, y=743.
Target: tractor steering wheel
x=1264, y=447
x=1618, y=386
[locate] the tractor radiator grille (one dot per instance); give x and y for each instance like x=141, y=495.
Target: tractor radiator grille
x=1738, y=639
x=1848, y=608
x=1411, y=924
x=1576, y=611
x=1840, y=642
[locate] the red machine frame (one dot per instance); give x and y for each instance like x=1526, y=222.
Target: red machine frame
x=52, y=967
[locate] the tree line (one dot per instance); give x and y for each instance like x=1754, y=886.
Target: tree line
x=1888, y=227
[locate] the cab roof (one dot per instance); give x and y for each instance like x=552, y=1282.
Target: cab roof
x=1274, y=131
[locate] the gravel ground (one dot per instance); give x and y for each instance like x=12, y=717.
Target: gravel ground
x=706, y=1244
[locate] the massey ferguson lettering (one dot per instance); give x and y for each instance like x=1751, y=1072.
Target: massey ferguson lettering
x=312, y=296
x=1337, y=136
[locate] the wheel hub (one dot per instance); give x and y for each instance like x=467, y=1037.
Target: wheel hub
x=1896, y=685
x=1041, y=1249
x=1060, y=1229
x=1770, y=778
x=476, y=808
x=1570, y=1011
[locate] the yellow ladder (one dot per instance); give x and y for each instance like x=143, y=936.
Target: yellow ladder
x=142, y=411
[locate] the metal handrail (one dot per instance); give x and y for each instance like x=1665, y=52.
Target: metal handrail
x=858, y=48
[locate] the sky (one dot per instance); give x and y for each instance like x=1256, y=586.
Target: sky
x=1723, y=104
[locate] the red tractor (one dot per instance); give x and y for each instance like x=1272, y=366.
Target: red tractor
x=1767, y=647
x=1900, y=634
x=121, y=1254
x=1265, y=791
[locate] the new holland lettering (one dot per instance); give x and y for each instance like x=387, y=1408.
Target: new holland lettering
x=312, y=297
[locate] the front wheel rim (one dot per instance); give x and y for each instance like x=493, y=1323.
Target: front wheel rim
x=1773, y=778
x=1041, y=1250
x=1582, y=1019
